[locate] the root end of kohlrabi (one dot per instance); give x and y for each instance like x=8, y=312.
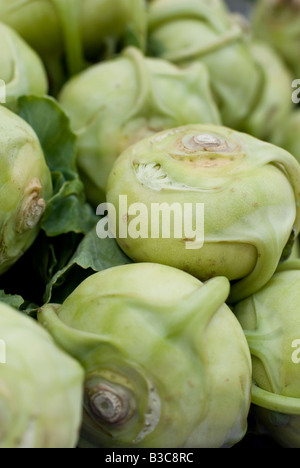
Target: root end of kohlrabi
x=110, y=404
x=32, y=208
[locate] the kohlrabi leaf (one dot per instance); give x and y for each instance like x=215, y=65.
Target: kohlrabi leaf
x=67, y=218
x=13, y=301
x=67, y=211
x=92, y=255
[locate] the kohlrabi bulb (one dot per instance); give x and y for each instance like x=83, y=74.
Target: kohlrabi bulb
x=167, y=363
x=191, y=31
x=25, y=187
x=68, y=33
x=41, y=387
x=277, y=22
x=208, y=200
x=271, y=322
x=120, y=101
x=108, y=26
x=21, y=69
x=52, y=28
x=274, y=105
x=250, y=81
x=290, y=135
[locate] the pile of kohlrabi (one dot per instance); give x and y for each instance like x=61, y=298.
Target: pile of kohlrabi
x=149, y=224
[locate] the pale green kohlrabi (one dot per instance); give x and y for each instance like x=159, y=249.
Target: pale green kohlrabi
x=116, y=103
x=289, y=136
x=41, y=387
x=68, y=32
x=274, y=105
x=208, y=200
x=167, y=364
x=196, y=30
x=25, y=187
x=108, y=26
x=21, y=69
x=277, y=22
x=52, y=28
x=271, y=322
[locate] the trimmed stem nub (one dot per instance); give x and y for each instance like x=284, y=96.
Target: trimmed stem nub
x=205, y=142
x=110, y=404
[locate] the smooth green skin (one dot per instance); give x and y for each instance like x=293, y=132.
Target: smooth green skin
x=24, y=180
x=46, y=35
x=290, y=139
x=247, y=220
x=40, y=387
x=104, y=22
x=278, y=23
x=271, y=323
x=20, y=67
x=200, y=31
x=75, y=28
x=274, y=105
x=51, y=27
x=116, y=103
x=150, y=325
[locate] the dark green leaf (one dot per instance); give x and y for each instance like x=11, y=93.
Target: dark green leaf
x=14, y=301
x=93, y=255
x=68, y=210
